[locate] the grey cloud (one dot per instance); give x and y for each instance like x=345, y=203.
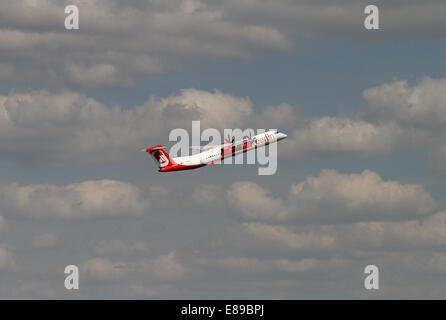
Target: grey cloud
x=93, y=199
x=105, y=269
x=421, y=106
x=118, y=41
x=43, y=241
x=331, y=136
x=252, y=241
x=119, y=248
x=41, y=127
x=163, y=267
x=429, y=232
x=68, y=126
x=397, y=117
x=45, y=127
x=7, y=259
x=333, y=197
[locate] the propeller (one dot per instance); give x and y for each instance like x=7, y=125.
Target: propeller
x=228, y=139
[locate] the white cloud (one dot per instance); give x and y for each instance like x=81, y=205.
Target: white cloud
x=208, y=197
x=147, y=39
x=98, y=75
x=357, y=196
x=215, y=109
x=117, y=41
x=166, y=266
x=253, y=238
x=250, y=201
x=87, y=200
x=422, y=106
x=419, y=111
x=282, y=236
x=44, y=127
x=333, y=197
x=397, y=116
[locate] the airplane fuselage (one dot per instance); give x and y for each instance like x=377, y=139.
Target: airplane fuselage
x=213, y=154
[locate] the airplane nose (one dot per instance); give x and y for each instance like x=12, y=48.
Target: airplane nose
x=281, y=136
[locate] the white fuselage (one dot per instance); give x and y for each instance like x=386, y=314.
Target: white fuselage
x=228, y=149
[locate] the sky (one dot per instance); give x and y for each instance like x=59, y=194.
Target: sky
x=360, y=179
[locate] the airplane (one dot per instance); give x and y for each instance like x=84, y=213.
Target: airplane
x=212, y=154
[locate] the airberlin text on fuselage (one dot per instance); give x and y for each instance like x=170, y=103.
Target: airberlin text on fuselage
x=263, y=140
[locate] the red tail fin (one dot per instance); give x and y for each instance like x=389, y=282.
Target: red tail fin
x=160, y=156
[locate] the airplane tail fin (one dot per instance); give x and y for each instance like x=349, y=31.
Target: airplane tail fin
x=160, y=156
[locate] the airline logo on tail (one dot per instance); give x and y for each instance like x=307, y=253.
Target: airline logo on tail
x=163, y=160
x=160, y=156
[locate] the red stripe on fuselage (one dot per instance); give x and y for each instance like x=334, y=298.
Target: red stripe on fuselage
x=179, y=167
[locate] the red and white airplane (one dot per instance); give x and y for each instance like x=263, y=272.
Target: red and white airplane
x=212, y=154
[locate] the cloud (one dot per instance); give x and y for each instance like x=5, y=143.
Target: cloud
x=153, y=37
x=333, y=197
x=92, y=199
x=104, y=269
x=397, y=116
x=208, y=197
x=283, y=266
x=259, y=233
x=61, y=127
x=120, y=248
x=341, y=18
x=97, y=75
x=166, y=266
x=43, y=241
x=45, y=127
x=421, y=106
x=250, y=201
x=285, y=256
x=330, y=136
x=34, y=289
x=358, y=239
x=419, y=111
x=149, y=38
x=161, y=268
